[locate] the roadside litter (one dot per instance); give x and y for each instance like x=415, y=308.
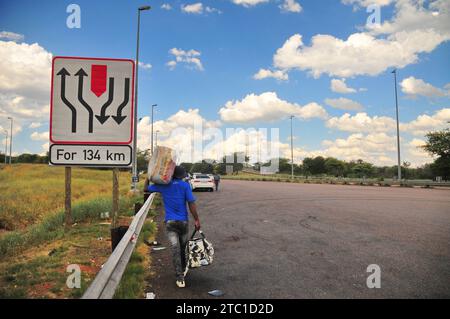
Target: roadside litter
x=104, y=215
x=216, y=293
x=158, y=248
x=153, y=243
x=150, y=295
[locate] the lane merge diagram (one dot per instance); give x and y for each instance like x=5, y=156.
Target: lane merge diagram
x=91, y=111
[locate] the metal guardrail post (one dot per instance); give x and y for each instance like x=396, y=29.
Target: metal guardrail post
x=107, y=280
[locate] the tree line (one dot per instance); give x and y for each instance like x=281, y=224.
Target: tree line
x=437, y=144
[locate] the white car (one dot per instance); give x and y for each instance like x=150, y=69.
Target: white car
x=202, y=181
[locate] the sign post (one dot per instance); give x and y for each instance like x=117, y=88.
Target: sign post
x=91, y=119
x=115, y=196
x=68, y=198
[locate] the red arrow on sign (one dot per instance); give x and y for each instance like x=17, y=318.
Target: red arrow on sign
x=98, y=79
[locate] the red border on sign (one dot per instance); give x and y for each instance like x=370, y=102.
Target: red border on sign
x=92, y=142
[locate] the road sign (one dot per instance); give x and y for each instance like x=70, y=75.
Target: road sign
x=91, y=112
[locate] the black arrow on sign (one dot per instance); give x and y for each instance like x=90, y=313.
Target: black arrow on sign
x=63, y=72
x=119, y=118
x=102, y=118
x=81, y=74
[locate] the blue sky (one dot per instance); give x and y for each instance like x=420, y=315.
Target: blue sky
x=233, y=43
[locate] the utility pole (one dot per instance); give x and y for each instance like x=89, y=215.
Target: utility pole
x=134, y=168
x=398, y=127
x=153, y=106
x=292, y=150
x=10, y=139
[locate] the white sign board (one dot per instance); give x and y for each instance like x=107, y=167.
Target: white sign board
x=91, y=112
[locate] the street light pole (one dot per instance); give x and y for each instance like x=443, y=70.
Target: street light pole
x=134, y=168
x=10, y=140
x=292, y=151
x=398, y=127
x=153, y=106
x=6, y=146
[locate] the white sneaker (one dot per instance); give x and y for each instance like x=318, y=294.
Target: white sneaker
x=181, y=284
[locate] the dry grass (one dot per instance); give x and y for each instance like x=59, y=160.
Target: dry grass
x=30, y=192
x=36, y=249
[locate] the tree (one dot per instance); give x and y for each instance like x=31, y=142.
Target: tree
x=318, y=166
x=441, y=167
x=220, y=168
x=236, y=162
x=142, y=160
x=307, y=166
x=363, y=169
x=334, y=167
x=438, y=143
x=284, y=165
x=187, y=166
x=202, y=167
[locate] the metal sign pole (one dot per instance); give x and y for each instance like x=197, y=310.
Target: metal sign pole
x=115, y=195
x=68, y=197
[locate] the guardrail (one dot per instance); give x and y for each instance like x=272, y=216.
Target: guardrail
x=107, y=280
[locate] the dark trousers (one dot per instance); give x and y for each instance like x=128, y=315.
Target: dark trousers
x=217, y=185
x=177, y=233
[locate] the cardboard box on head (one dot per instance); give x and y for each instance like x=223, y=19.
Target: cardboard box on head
x=161, y=165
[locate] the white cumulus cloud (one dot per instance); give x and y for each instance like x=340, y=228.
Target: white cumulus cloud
x=355, y=55
x=249, y=3
x=190, y=58
x=11, y=36
x=366, y=3
x=145, y=66
x=361, y=122
x=24, y=83
x=267, y=107
x=194, y=8
x=277, y=74
x=291, y=6
x=35, y=125
x=344, y=104
x=339, y=86
x=426, y=123
x=416, y=28
x=36, y=136
x=413, y=87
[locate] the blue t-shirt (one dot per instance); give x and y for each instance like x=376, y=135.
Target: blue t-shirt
x=175, y=195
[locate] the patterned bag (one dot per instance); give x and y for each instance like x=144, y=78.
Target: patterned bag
x=199, y=251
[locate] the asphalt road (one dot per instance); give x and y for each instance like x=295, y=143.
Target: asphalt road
x=281, y=240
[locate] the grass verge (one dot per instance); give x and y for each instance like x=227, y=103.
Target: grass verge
x=34, y=262
x=137, y=273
